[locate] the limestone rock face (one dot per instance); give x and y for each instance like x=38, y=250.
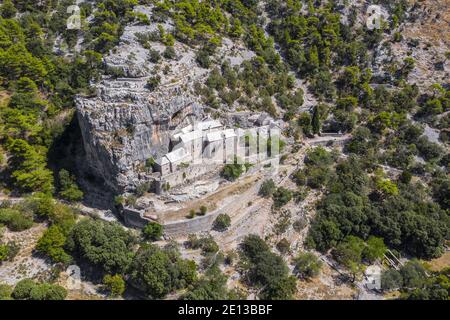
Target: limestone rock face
x=125, y=123
x=123, y=127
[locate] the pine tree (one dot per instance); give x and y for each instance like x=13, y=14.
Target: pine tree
x=316, y=121
x=8, y=10
x=314, y=58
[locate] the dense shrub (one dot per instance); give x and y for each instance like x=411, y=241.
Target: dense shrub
x=27, y=289
x=207, y=244
x=281, y=197
x=106, y=245
x=15, y=220
x=68, y=187
x=267, y=188
x=158, y=272
x=153, y=231
x=115, y=284
x=307, y=265
x=8, y=251
x=232, y=171
x=283, y=246
x=266, y=269
x=52, y=243
x=5, y=292
x=222, y=222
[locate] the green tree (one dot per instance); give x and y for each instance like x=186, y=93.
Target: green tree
x=52, y=243
x=5, y=292
x=267, y=188
x=8, y=10
x=307, y=265
x=106, y=245
x=316, y=121
x=222, y=222
x=68, y=187
x=375, y=249
x=15, y=220
x=211, y=286
x=281, y=197
x=386, y=187
x=348, y=103
x=232, y=171
x=203, y=59
x=115, y=284
x=43, y=203
x=405, y=177
x=349, y=254
x=413, y=274
x=153, y=231
x=31, y=173
x=360, y=142
x=282, y=289
x=391, y=280
x=266, y=269
x=158, y=273
x=304, y=121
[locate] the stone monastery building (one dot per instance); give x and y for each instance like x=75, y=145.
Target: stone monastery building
x=210, y=143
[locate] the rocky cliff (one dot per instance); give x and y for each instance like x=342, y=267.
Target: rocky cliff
x=125, y=123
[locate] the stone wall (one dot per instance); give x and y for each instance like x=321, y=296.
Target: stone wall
x=327, y=143
x=134, y=218
x=183, y=175
x=198, y=224
x=332, y=134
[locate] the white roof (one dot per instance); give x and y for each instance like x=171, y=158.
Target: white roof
x=182, y=131
x=229, y=133
x=188, y=133
x=187, y=129
x=179, y=133
x=220, y=135
x=191, y=136
x=177, y=155
x=163, y=161
x=214, y=136
x=264, y=130
x=240, y=132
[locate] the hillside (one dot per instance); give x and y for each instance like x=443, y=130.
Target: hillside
x=102, y=128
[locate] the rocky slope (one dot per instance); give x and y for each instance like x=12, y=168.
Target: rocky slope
x=126, y=123
x=426, y=39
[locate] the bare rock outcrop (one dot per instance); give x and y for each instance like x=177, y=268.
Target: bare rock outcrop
x=125, y=123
